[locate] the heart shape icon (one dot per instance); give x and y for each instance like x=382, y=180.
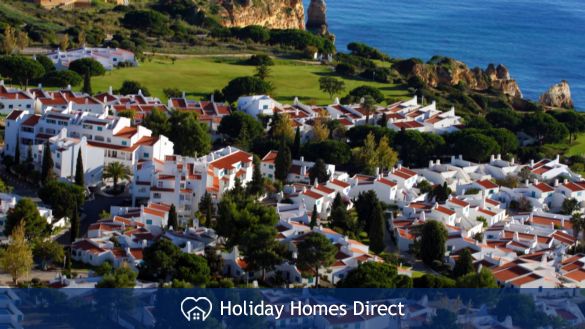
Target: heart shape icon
x=196, y=308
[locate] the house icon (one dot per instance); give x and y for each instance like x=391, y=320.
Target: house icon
x=196, y=309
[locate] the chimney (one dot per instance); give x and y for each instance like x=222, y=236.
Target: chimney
x=499, y=157
x=438, y=162
x=516, y=238
x=431, y=163
x=183, y=94
x=556, y=182
x=144, y=243
x=68, y=87
x=302, y=159
x=492, y=158
x=532, y=163
x=110, y=90
x=377, y=172
x=565, y=181
x=513, y=161
x=535, y=181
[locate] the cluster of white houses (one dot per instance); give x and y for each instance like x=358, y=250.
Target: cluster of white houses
x=523, y=250
x=110, y=58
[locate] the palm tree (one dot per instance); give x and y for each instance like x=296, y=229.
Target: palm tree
x=116, y=171
x=369, y=105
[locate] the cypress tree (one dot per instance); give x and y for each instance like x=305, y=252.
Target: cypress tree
x=74, y=225
x=173, y=220
x=376, y=233
x=282, y=162
x=79, y=179
x=314, y=217
x=464, y=264
x=319, y=172
x=256, y=186
x=87, y=83
x=206, y=208
x=47, y=165
x=296, y=149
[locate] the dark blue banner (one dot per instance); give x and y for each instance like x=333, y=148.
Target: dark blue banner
x=291, y=308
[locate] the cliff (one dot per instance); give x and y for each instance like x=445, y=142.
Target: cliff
x=446, y=71
x=558, y=95
x=276, y=14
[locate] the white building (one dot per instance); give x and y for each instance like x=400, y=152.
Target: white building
x=14, y=99
x=108, y=57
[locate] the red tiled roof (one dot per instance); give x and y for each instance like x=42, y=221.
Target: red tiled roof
x=445, y=210
x=312, y=194
x=387, y=182
x=459, y=202
x=544, y=187
x=14, y=115
x=32, y=120
x=270, y=157
x=127, y=132
x=487, y=184
x=227, y=162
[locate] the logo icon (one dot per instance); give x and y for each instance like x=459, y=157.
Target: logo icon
x=196, y=309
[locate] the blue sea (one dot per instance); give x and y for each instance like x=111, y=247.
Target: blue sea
x=540, y=41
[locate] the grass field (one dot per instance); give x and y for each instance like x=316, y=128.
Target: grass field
x=578, y=147
x=200, y=76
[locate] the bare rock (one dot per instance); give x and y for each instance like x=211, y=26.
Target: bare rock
x=317, y=17
x=559, y=96
x=274, y=14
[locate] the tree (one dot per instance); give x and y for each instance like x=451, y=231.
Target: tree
x=569, y=206
x=483, y=279
x=47, y=164
x=64, y=43
x=47, y=63
x=360, y=92
x=234, y=126
x=256, y=186
x=369, y=105
x=190, y=136
x=193, y=269
x=368, y=155
x=8, y=40
x=314, y=217
x=261, y=250
x=17, y=153
x=432, y=243
x=387, y=157
x=130, y=87
x=173, y=221
x=281, y=128
x=314, y=252
x=296, y=148
x=84, y=65
x=263, y=72
x=475, y=146
x=158, y=122
x=319, y=172
x=63, y=198
x=17, y=259
x=544, y=127
x=206, y=207
x=370, y=275
x=574, y=121
x=79, y=171
x=62, y=79
x=159, y=261
x=75, y=223
x=320, y=130
x=245, y=86
x=21, y=69
x=282, y=162
x=464, y=264
x=331, y=151
x=48, y=252
x=26, y=211
x=122, y=277
x=87, y=83
x=508, y=119
x=339, y=216
x=116, y=171
x=331, y=86
x=440, y=193
x=377, y=229
x=578, y=222
x=365, y=204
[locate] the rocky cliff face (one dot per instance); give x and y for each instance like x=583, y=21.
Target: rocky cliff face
x=276, y=14
x=317, y=17
x=558, y=95
x=447, y=71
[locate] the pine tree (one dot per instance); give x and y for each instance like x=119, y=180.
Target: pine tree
x=256, y=186
x=87, y=83
x=296, y=149
x=173, y=220
x=282, y=162
x=74, y=225
x=47, y=165
x=377, y=228
x=314, y=217
x=79, y=172
x=339, y=216
x=17, y=153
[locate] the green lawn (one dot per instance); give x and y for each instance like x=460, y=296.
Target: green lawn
x=578, y=147
x=202, y=75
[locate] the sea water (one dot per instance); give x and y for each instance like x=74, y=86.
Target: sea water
x=540, y=41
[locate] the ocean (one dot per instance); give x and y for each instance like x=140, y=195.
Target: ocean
x=540, y=41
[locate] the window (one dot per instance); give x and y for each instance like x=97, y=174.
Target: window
x=86, y=126
x=100, y=128
x=124, y=143
x=28, y=106
x=149, y=222
x=10, y=106
x=156, y=195
x=146, y=155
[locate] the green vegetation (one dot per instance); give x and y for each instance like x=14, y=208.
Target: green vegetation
x=201, y=76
